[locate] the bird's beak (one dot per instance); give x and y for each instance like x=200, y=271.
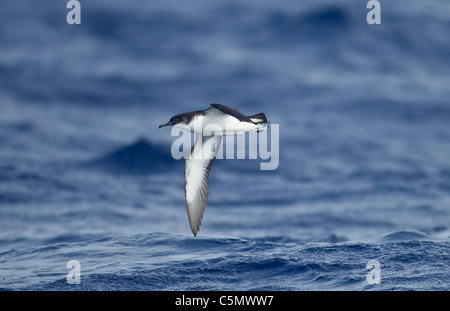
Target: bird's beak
x=167, y=124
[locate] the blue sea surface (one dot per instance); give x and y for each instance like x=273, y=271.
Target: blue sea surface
x=364, y=145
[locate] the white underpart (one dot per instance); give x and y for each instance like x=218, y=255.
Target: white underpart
x=220, y=123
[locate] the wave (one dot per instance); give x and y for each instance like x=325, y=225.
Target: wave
x=160, y=261
x=140, y=157
x=408, y=236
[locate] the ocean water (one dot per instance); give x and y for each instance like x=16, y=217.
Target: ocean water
x=364, y=145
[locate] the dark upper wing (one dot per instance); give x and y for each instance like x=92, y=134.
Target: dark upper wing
x=232, y=112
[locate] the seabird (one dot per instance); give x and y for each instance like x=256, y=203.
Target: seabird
x=209, y=126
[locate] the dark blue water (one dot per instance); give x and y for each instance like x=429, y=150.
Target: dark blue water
x=364, y=173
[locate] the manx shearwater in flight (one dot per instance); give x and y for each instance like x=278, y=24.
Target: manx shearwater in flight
x=209, y=126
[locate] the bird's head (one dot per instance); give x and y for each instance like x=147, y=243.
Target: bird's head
x=179, y=118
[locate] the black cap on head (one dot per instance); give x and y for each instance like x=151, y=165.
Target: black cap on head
x=180, y=118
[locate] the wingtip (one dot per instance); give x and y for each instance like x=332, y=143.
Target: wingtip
x=195, y=231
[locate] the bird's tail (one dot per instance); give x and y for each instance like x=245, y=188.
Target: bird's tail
x=258, y=118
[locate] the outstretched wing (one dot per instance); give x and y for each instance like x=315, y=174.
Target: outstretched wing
x=232, y=112
x=197, y=169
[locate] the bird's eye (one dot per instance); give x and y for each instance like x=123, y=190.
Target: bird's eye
x=175, y=120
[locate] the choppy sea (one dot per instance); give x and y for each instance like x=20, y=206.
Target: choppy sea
x=364, y=145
